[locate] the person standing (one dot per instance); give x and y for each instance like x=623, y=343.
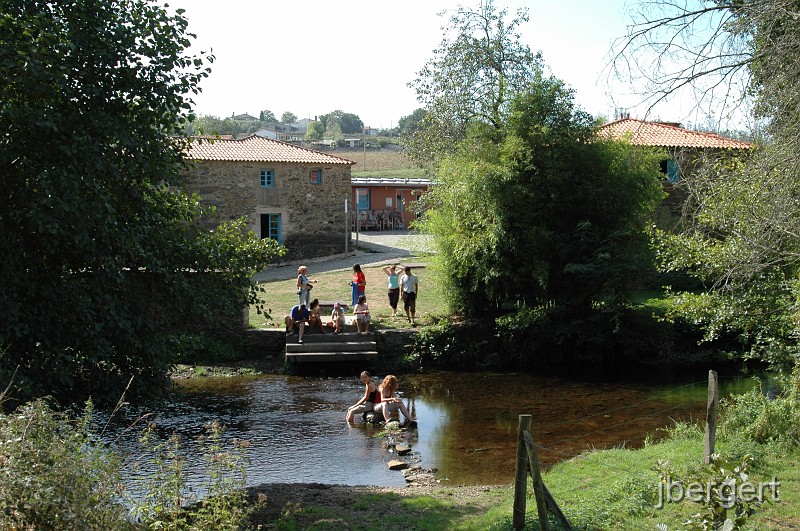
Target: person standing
x=394, y=287
x=410, y=286
x=359, y=283
x=303, y=286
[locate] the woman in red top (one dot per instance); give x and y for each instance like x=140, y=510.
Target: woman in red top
x=359, y=283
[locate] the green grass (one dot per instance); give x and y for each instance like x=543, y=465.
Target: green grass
x=407, y=173
x=281, y=295
x=614, y=489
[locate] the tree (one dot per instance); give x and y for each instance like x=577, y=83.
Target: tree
x=314, y=131
x=333, y=129
x=210, y=125
x=541, y=212
x=347, y=123
x=408, y=125
x=267, y=116
x=107, y=274
x=479, y=64
x=740, y=236
x=288, y=118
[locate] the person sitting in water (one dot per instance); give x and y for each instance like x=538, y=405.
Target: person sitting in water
x=296, y=320
x=390, y=402
x=367, y=403
x=361, y=311
x=337, y=319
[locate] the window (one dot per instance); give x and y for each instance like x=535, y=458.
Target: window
x=671, y=170
x=316, y=177
x=271, y=227
x=268, y=178
x=362, y=198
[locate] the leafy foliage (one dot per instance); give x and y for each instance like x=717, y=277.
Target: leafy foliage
x=105, y=258
x=209, y=125
x=288, y=117
x=722, y=506
x=476, y=70
x=55, y=475
x=541, y=212
x=167, y=502
x=740, y=236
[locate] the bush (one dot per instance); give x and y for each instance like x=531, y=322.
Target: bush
x=54, y=475
x=764, y=419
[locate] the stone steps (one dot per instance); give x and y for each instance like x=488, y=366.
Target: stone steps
x=329, y=347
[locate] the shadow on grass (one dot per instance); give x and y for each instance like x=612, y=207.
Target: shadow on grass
x=316, y=506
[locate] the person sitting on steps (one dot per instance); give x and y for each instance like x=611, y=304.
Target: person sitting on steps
x=337, y=319
x=361, y=311
x=297, y=319
x=314, y=318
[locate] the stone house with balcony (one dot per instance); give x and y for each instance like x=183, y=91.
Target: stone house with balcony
x=289, y=193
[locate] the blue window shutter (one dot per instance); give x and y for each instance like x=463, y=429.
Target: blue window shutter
x=673, y=171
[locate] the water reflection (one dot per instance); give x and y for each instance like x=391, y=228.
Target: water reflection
x=467, y=423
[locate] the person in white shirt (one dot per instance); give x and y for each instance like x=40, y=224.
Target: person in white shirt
x=410, y=286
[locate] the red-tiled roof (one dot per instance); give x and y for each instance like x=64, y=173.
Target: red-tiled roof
x=259, y=149
x=660, y=134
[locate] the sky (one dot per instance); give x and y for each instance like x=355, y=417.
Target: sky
x=358, y=56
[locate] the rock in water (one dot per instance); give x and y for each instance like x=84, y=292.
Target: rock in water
x=396, y=464
x=402, y=449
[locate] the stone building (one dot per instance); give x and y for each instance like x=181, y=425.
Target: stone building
x=289, y=193
x=684, y=148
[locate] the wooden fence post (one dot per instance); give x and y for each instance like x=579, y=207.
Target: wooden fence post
x=711, y=417
x=521, y=474
x=540, y=492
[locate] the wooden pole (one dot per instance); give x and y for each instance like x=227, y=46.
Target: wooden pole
x=521, y=474
x=711, y=417
x=539, y=490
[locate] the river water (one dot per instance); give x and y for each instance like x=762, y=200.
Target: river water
x=467, y=423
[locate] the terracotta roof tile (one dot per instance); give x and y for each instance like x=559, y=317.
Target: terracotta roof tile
x=668, y=135
x=259, y=149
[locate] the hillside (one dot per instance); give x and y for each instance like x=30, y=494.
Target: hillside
x=379, y=163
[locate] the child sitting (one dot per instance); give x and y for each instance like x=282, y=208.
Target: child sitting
x=361, y=312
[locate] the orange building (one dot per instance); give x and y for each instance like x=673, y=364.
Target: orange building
x=386, y=203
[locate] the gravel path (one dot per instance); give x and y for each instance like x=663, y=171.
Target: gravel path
x=373, y=248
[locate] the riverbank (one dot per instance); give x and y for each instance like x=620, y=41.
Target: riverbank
x=616, y=488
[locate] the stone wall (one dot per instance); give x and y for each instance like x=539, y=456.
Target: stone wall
x=311, y=215
x=271, y=342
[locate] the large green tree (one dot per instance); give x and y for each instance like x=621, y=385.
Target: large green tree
x=740, y=236
x=538, y=211
x=479, y=65
x=105, y=270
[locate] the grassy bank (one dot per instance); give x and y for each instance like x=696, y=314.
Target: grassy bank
x=281, y=295
x=603, y=490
